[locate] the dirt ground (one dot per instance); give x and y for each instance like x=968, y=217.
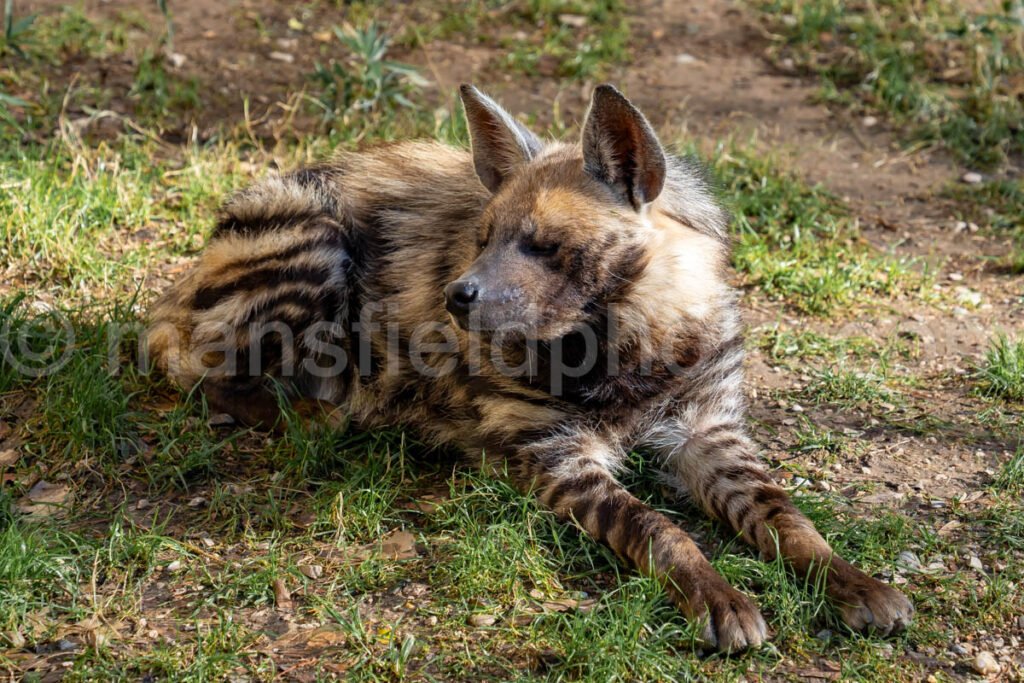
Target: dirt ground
x=698, y=68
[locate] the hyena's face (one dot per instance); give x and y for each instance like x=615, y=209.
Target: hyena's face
x=554, y=246
x=566, y=227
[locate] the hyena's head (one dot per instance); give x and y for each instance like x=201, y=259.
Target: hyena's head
x=568, y=226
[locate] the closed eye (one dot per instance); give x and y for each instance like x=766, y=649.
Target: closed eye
x=541, y=248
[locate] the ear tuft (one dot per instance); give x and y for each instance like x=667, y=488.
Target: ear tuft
x=499, y=142
x=621, y=149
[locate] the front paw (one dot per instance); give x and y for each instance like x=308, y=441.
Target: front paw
x=731, y=620
x=867, y=604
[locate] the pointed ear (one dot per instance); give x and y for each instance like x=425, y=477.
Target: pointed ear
x=621, y=149
x=500, y=143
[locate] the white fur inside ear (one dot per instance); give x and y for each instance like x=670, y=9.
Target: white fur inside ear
x=499, y=142
x=621, y=149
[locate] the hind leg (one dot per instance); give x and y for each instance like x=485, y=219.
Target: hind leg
x=252, y=320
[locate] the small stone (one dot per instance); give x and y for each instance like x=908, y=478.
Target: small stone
x=285, y=57
x=15, y=639
x=573, y=20
x=972, y=178
x=968, y=296
x=824, y=635
x=975, y=562
x=481, y=620
x=196, y=502
x=431, y=620
x=985, y=663
x=173, y=566
x=220, y=420
x=177, y=59
x=141, y=504
x=869, y=121
x=908, y=560
x=865, y=470
x=685, y=58
x=958, y=649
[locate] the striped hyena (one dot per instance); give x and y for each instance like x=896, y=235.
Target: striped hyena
x=541, y=306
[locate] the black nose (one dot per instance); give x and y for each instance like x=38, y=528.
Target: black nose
x=460, y=295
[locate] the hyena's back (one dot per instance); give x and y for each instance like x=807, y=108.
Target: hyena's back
x=294, y=259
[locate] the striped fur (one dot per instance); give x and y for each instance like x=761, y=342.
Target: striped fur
x=609, y=260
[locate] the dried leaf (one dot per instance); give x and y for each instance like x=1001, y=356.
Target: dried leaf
x=9, y=457
x=45, y=499
x=398, y=545
x=312, y=571
x=282, y=596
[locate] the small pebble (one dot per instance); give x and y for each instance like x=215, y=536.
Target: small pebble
x=869, y=121
x=972, y=178
x=959, y=649
x=824, y=635
x=15, y=639
x=480, y=620
x=909, y=561
x=956, y=277
x=174, y=566
x=985, y=663
x=573, y=20
x=220, y=420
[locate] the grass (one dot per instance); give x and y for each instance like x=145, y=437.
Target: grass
x=579, y=39
x=1001, y=375
x=570, y=39
x=997, y=205
x=163, y=558
x=367, y=87
x=797, y=243
x=946, y=72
